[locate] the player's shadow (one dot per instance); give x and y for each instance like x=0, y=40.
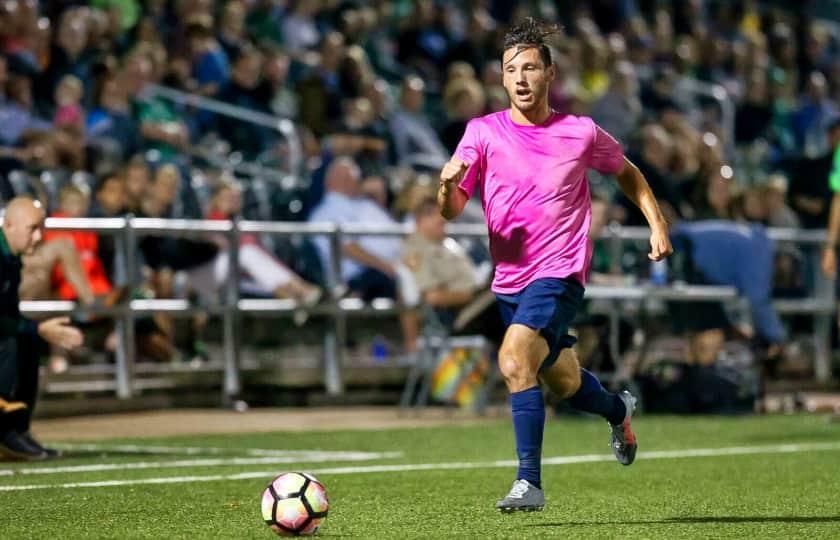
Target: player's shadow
x=700, y=519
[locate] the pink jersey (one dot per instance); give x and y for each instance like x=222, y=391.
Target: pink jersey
x=535, y=194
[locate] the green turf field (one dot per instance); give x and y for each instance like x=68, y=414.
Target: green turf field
x=778, y=478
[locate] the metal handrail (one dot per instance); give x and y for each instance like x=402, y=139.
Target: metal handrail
x=112, y=225
x=777, y=234
x=821, y=306
x=284, y=126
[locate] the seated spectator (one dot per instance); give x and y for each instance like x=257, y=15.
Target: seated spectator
x=164, y=252
x=210, y=66
x=74, y=203
x=161, y=127
x=36, y=278
x=137, y=180
x=165, y=188
x=77, y=272
x=727, y=253
x=300, y=32
x=264, y=21
x=368, y=263
x=422, y=42
x=165, y=257
x=70, y=53
x=415, y=141
x=754, y=114
x=69, y=113
x=355, y=73
x=110, y=118
x=447, y=280
x=243, y=90
x=360, y=136
x=110, y=196
x=779, y=214
x=809, y=192
x=276, y=87
x=619, y=109
x=717, y=201
x=464, y=100
x=268, y=275
x=110, y=201
x=815, y=116
x=319, y=92
x=443, y=272
x=16, y=111
x=232, y=35
x=654, y=161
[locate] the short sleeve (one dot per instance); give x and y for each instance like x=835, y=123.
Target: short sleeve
x=470, y=150
x=834, y=176
x=606, y=155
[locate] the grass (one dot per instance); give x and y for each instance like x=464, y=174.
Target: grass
x=771, y=495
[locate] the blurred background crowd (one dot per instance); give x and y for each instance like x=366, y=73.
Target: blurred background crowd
x=729, y=108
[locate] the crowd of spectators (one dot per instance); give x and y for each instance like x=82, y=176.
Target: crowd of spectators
x=729, y=108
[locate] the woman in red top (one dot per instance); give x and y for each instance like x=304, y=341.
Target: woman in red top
x=74, y=203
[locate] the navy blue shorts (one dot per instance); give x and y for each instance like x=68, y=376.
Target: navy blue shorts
x=548, y=305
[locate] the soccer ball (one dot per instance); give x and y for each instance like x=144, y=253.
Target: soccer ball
x=295, y=504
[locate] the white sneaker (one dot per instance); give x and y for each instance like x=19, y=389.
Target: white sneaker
x=523, y=497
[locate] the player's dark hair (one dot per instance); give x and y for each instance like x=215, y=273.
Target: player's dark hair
x=530, y=33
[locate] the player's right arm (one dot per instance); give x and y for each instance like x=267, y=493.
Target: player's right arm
x=450, y=197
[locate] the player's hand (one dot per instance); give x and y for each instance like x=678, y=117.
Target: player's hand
x=58, y=331
x=453, y=171
x=660, y=245
x=828, y=262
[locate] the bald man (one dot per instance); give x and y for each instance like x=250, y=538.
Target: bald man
x=20, y=337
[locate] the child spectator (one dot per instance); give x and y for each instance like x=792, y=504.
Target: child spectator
x=68, y=99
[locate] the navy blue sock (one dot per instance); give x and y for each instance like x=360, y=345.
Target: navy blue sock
x=594, y=398
x=528, y=410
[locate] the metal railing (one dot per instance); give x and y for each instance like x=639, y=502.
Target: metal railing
x=821, y=305
x=283, y=126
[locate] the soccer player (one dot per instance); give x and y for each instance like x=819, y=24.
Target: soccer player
x=529, y=164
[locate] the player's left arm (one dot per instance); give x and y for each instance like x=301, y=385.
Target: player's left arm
x=636, y=188
x=829, y=253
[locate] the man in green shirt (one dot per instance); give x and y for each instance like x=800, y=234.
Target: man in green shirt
x=20, y=337
x=829, y=253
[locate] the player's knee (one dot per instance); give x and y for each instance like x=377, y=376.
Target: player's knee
x=515, y=369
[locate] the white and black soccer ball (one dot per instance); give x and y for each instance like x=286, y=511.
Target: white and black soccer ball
x=295, y=504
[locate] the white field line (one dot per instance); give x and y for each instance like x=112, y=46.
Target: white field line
x=560, y=460
x=313, y=457
x=186, y=450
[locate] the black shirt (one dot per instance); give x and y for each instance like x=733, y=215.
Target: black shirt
x=810, y=178
x=12, y=323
